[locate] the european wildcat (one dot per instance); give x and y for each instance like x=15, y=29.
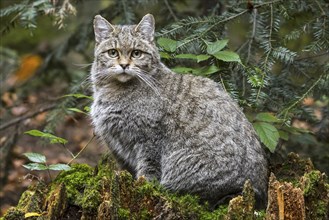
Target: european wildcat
x=185, y=131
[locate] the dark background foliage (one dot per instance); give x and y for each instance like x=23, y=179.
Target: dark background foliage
x=282, y=81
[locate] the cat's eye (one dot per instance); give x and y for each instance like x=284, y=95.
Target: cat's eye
x=113, y=53
x=136, y=54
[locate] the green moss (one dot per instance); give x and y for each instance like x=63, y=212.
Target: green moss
x=321, y=209
x=144, y=215
x=312, y=178
x=91, y=200
x=187, y=204
x=14, y=214
x=218, y=213
x=123, y=213
x=260, y=215
x=75, y=181
x=315, y=189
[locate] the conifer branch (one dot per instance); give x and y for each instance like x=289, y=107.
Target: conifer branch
x=267, y=55
x=286, y=110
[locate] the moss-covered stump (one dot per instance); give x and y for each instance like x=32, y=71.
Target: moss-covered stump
x=285, y=201
x=243, y=207
x=298, y=192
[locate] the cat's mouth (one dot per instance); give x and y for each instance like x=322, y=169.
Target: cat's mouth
x=123, y=77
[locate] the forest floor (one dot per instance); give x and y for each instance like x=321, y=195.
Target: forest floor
x=75, y=128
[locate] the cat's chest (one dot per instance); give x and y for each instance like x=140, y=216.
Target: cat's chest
x=130, y=116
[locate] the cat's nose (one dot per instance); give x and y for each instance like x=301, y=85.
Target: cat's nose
x=124, y=66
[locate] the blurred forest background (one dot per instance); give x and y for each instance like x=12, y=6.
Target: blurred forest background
x=271, y=56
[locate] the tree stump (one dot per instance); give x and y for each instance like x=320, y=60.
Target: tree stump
x=297, y=192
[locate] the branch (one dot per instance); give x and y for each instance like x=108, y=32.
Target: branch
x=286, y=110
x=170, y=10
x=228, y=19
x=316, y=55
x=31, y=115
x=78, y=154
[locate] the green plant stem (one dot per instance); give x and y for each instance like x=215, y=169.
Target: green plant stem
x=64, y=146
x=220, y=77
x=286, y=110
x=51, y=179
x=78, y=154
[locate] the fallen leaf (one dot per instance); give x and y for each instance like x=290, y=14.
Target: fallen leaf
x=19, y=110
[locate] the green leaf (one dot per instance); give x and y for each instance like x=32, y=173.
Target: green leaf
x=35, y=133
x=181, y=69
x=215, y=47
x=59, y=166
x=53, y=139
x=35, y=157
x=79, y=96
x=186, y=56
x=227, y=56
x=87, y=108
x=202, y=57
x=35, y=166
x=268, y=134
x=266, y=117
x=284, y=135
x=76, y=110
x=209, y=70
x=165, y=55
x=167, y=44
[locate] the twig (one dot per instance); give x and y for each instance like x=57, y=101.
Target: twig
x=64, y=146
x=211, y=27
x=252, y=37
x=78, y=154
x=170, y=10
x=322, y=11
x=286, y=110
x=316, y=55
x=228, y=19
x=51, y=179
x=31, y=115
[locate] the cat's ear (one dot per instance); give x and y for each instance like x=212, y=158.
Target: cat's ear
x=102, y=28
x=146, y=26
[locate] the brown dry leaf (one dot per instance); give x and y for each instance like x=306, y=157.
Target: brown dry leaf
x=17, y=163
x=19, y=110
x=308, y=101
x=39, y=119
x=3, y=140
x=29, y=65
x=9, y=99
x=32, y=99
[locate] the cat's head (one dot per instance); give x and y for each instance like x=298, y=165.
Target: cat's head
x=124, y=52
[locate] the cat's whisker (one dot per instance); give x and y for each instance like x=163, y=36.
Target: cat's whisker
x=149, y=76
x=149, y=82
x=150, y=79
x=82, y=65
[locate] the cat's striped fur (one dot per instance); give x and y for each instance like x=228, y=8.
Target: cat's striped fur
x=185, y=131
